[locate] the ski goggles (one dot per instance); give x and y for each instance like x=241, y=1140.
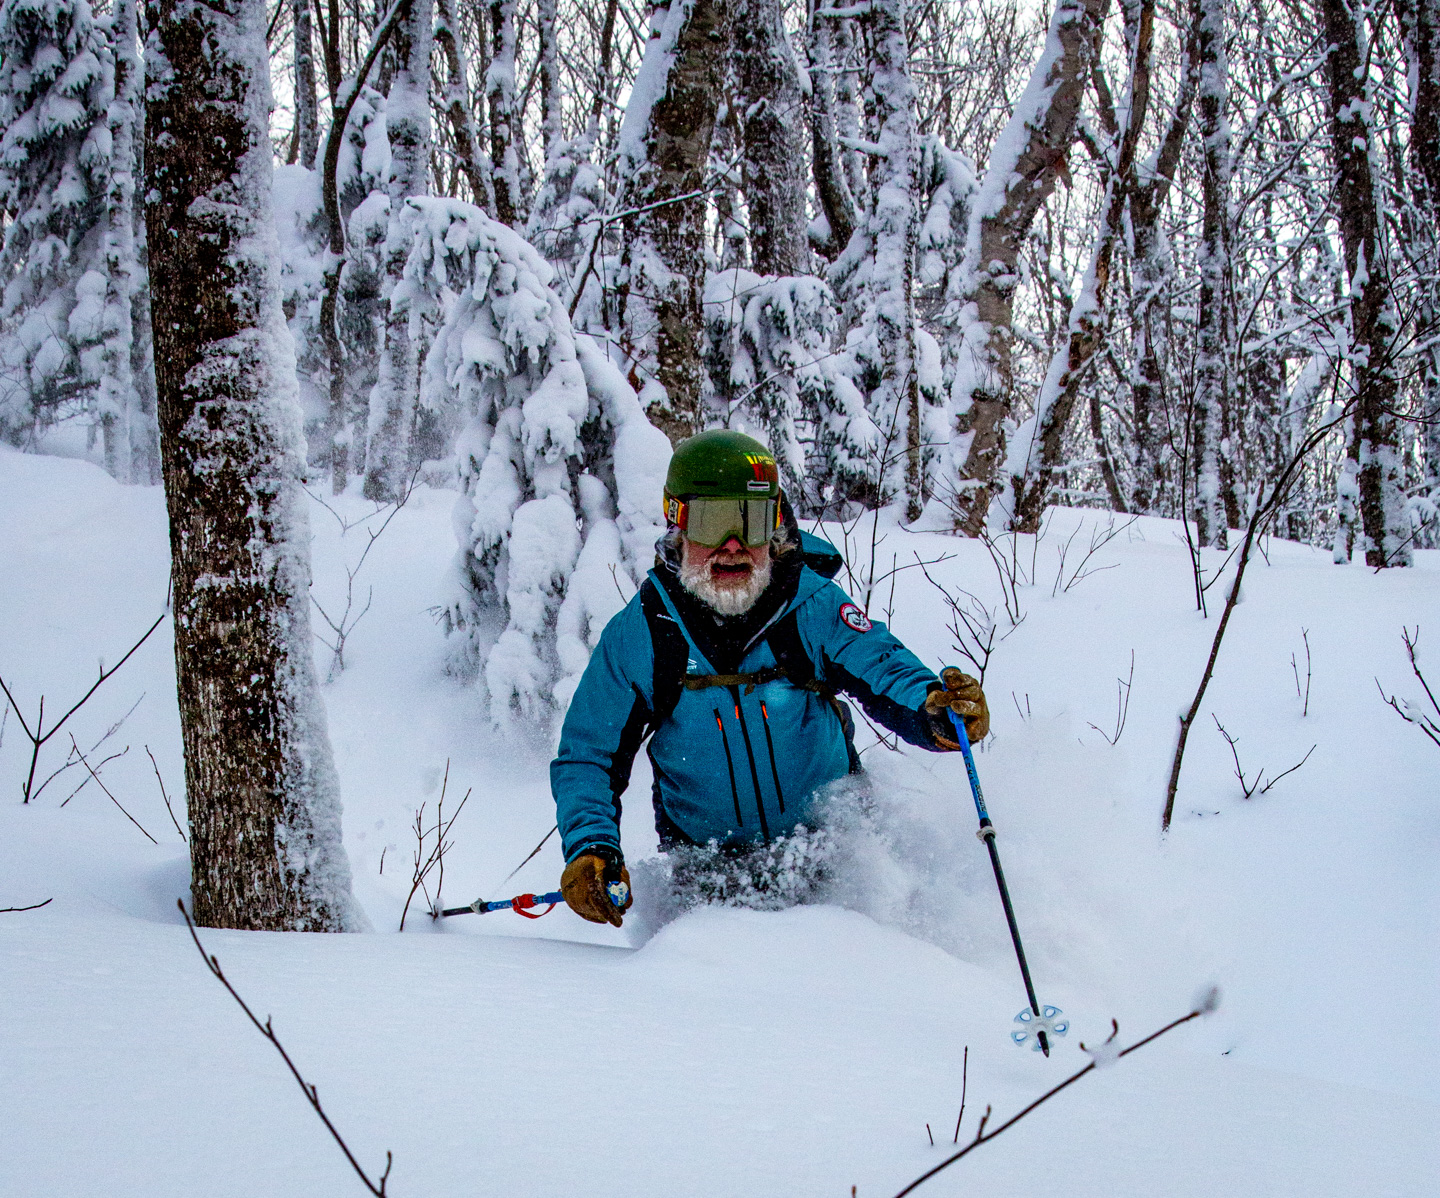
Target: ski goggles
x=712, y=522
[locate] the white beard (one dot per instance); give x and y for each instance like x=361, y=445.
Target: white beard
x=730, y=600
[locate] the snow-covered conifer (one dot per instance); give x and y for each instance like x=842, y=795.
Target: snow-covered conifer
x=69, y=125
x=887, y=356
x=559, y=469
x=771, y=373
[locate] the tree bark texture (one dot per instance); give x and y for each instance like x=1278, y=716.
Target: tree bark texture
x=394, y=399
x=504, y=119
x=262, y=793
x=1374, y=452
x=1020, y=178
x=772, y=119
x=130, y=434
x=1089, y=312
x=832, y=187
x=666, y=139
x=307, y=113
x=459, y=109
x=1420, y=26
x=1213, y=349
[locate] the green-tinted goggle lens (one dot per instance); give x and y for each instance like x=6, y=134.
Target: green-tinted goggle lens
x=712, y=522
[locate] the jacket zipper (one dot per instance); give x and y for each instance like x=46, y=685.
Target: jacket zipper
x=754, y=773
x=770, y=744
x=730, y=764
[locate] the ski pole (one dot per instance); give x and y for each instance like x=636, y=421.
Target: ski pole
x=522, y=903
x=987, y=834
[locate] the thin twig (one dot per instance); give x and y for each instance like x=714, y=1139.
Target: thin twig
x=1122, y=703
x=982, y=1137
x=964, y=1085
x=106, y=789
x=165, y=796
x=530, y=858
x=312, y=1095
x=39, y=736
x=1295, y=666
x=31, y=907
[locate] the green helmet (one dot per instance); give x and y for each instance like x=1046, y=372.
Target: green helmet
x=722, y=464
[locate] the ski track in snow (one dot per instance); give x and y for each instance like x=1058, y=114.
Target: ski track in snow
x=740, y=1052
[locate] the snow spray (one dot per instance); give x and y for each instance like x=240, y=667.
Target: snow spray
x=1041, y=1023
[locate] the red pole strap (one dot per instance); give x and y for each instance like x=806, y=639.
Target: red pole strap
x=521, y=902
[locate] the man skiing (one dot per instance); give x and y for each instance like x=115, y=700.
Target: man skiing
x=730, y=657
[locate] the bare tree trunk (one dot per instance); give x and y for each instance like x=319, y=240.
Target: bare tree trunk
x=262, y=792
x=552, y=131
x=1018, y=181
x=458, y=107
x=832, y=187
x=1373, y=457
x=1088, y=314
x=397, y=387
x=772, y=118
x=1420, y=25
x=307, y=115
x=128, y=434
x=664, y=146
x=504, y=120
x=1213, y=349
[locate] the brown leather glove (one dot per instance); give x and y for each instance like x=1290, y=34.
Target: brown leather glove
x=583, y=885
x=963, y=696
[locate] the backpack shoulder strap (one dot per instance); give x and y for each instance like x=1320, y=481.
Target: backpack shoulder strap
x=790, y=656
x=671, y=653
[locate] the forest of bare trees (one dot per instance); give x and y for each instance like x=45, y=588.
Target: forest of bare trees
x=970, y=260
x=984, y=257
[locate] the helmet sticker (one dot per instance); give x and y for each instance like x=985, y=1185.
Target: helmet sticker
x=852, y=617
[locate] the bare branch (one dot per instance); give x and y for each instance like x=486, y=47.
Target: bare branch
x=312, y=1096
x=106, y=789
x=983, y=1137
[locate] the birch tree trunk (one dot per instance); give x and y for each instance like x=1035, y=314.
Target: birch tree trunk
x=1373, y=455
x=664, y=146
x=1021, y=175
x=262, y=793
x=397, y=386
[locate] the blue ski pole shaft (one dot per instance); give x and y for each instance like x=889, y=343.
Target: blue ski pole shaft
x=481, y=907
x=617, y=890
x=987, y=834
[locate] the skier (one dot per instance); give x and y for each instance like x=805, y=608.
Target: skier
x=730, y=658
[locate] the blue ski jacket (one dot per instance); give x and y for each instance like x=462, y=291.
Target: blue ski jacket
x=733, y=763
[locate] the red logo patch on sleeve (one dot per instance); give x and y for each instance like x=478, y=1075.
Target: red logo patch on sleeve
x=852, y=617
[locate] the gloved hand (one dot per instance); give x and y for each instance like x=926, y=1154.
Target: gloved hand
x=963, y=696
x=583, y=885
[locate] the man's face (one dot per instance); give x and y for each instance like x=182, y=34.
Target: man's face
x=729, y=578
x=731, y=566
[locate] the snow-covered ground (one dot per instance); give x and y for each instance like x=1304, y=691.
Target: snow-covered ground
x=739, y=1052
